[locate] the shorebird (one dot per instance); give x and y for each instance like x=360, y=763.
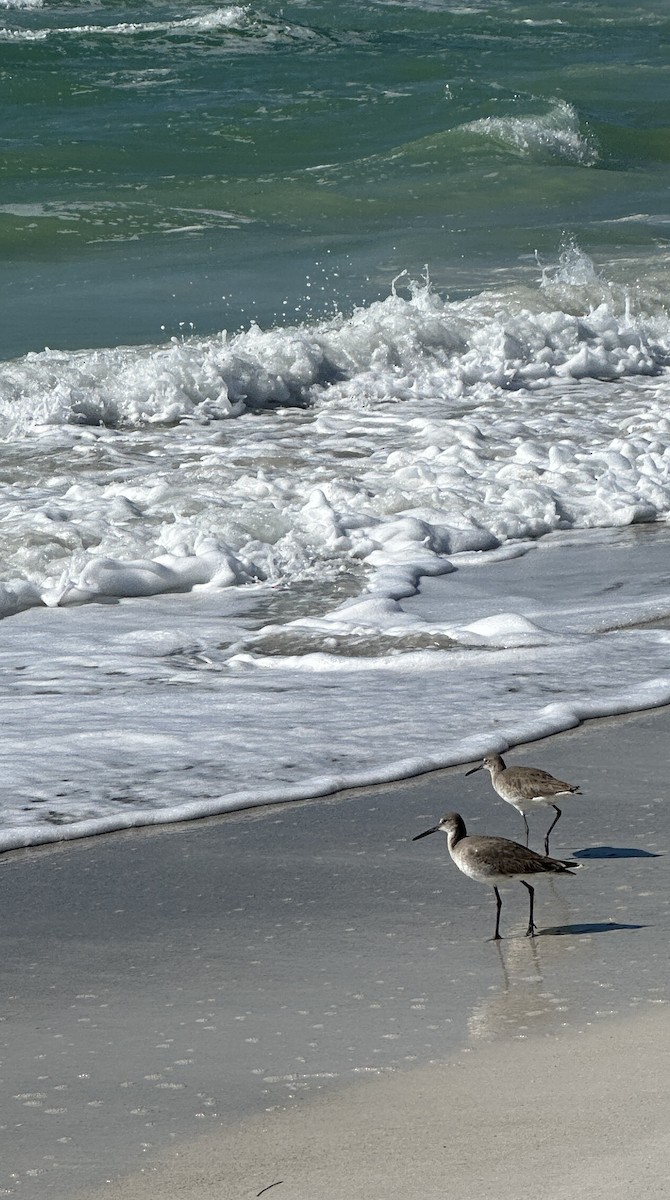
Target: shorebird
x=496, y=861
x=527, y=788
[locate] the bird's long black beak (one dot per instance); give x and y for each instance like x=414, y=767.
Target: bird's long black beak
x=425, y=833
x=473, y=769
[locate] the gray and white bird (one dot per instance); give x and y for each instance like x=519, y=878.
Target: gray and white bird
x=527, y=788
x=496, y=861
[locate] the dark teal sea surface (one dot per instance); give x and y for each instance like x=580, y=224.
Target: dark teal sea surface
x=169, y=168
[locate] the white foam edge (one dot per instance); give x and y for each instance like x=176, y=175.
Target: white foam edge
x=554, y=718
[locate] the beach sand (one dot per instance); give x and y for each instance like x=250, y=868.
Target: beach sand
x=302, y=994
x=581, y=1116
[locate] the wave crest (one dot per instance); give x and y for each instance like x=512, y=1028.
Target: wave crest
x=555, y=134
x=575, y=325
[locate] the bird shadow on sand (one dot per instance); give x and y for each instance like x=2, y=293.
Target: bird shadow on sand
x=586, y=927
x=614, y=852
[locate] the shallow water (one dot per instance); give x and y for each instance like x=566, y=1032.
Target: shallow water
x=160, y=709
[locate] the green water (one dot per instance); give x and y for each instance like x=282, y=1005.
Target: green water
x=167, y=169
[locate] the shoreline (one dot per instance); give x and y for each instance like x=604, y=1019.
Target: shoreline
x=103, y=827
x=131, y=760
x=167, y=985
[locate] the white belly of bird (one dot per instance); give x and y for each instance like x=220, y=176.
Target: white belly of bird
x=489, y=875
x=530, y=803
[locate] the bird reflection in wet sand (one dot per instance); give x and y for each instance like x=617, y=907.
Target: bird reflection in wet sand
x=521, y=1001
x=497, y=861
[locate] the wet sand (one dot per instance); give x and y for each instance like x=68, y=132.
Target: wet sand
x=583, y=1115
x=303, y=994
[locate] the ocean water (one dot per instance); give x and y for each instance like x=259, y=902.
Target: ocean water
x=333, y=394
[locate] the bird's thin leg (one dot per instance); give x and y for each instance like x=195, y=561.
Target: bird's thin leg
x=546, y=840
x=526, y=825
x=497, y=935
x=530, y=932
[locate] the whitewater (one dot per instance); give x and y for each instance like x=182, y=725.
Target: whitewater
x=248, y=568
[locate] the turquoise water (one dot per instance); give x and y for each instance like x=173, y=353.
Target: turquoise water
x=170, y=168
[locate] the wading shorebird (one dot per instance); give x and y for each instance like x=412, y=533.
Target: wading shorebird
x=496, y=861
x=527, y=788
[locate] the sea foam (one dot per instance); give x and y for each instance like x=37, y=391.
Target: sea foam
x=143, y=715
x=379, y=443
